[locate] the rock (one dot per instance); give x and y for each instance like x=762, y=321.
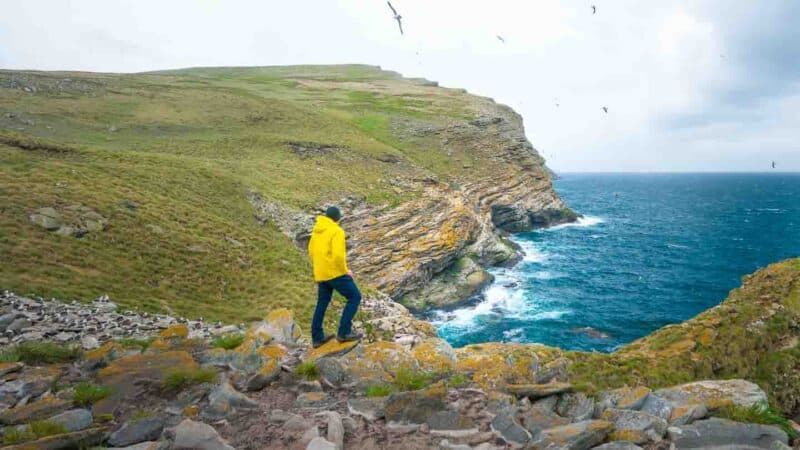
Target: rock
x=47, y=218
x=149, y=445
x=505, y=425
x=225, y=401
x=78, y=439
x=686, y=414
x=450, y=420
x=268, y=373
x=576, y=436
x=10, y=367
x=370, y=408
x=296, y=424
x=89, y=343
x=38, y=410
x=538, y=390
x=721, y=433
x=657, y=406
x=74, y=419
x=622, y=398
x=335, y=429
x=309, y=435
x=333, y=373
x=576, y=406
x=280, y=325
x=618, y=445
x=191, y=435
x=319, y=443
x=778, y=445
x=446, y=445
x=535, y=420
x=135, y=431
x=635, y=426
x=6, y=319
x=18, y=324
x=715, y=393
x=435, y=355
x=330, y=348
x=312, y=400
x=415, y=407
x=554, y=371
x=547, y=403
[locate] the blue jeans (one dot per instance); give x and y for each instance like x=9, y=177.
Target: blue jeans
x=345, y=286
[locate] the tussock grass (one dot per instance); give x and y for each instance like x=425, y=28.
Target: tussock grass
x=87, y=394
x=407, y=379
x=379, y=390
x=307, y=370
x=141, y=344
x=178, y=379
x=228, y=341
x=40, y=353
x=760, y=413
x=34, y=430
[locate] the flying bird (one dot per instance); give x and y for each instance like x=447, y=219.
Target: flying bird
x=397, y=17
x=605, y=109
x=501, y=39
x=594, y=9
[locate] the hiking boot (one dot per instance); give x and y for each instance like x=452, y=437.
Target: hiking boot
x=350, y=337
x=326, y=339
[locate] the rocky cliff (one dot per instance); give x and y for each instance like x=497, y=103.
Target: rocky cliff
x=171, y=167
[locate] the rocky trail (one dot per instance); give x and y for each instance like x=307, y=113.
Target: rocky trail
x=89, y=376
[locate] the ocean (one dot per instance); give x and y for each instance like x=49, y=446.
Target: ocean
x=651, y=250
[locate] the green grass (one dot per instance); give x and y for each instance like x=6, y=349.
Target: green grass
x=307, y=370
x=758, y=413
x=138, y=343
x=458, y=380
x=178, y=379
x=40, y=353
x=407, y=379
x=187, y=146
x=228, y=341
x=87, y=394
x=379, y=390
x=34, y=430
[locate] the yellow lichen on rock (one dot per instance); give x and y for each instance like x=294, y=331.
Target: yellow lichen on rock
x=103, y=354
x=178, y=331
x=435, y=355
x=274, y=351
x=330, y=348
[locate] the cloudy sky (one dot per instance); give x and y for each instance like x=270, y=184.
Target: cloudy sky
x=706, y=85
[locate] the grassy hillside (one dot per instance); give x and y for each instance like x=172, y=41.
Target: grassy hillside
x=168, y=158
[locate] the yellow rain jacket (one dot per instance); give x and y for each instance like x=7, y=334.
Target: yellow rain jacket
x=327, y=250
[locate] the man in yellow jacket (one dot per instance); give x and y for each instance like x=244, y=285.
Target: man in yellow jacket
x=329, y=257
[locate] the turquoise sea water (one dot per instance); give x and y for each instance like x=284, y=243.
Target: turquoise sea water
x=651, y=250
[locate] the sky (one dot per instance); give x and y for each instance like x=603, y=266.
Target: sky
x=705, y=85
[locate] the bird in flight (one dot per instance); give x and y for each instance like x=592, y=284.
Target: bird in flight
x=605, y=109
x=501, y=39
x=594, y=9
x=397, y=17
x=773, y=164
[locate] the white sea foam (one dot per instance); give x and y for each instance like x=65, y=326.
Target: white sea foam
x=582, y=222
x=552, y=315
x=532, y=253
x=545, y=275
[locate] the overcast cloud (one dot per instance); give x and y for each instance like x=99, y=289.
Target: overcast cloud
x=706, y=85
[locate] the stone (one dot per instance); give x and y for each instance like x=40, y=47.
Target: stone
x=535, y=391
x=554, y=371
x=47, y=218
x=449, y=420
x=10, y=367
x=89, y=343
x=446, y=445
x=74, y=419
x=77, y=439
x=191, y=435
x=415, y=407
x=635, y=426
x=506, y=426
x=622, y=398
x=687, y=413
x=778, y=445
x=135, y=431
x=296, y=424
x=268, y=373
x=715, y=393
x=536, y=419
x=330, y=348
x=6, y=319
x=333, y=373
x=370, y=408
x=309, y=386
x=280, y=325
x=225, y=401
x=657, y=406
x=576, y=406
x=575, y=436
x=335, y=429
x=722, y=433
x=311, y=400
x=18, y=324
x=309, y=435
x=618, y=445
x=319, y=443
x=149, y=445
x=435, y=355
x=546, y=403
x=38, y=410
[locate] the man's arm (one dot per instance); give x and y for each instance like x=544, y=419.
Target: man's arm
x=340, y=253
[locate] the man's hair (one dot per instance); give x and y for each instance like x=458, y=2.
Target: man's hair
x=333, y=213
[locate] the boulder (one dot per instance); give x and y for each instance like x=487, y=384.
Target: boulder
x=576, y=436
x=657, y=406
x=535, y=391
x=554, y=371
x=225, y=401
x=279, y=324
x=330, y=348
x=635, y=426
x=135, y=431
x=575, y=406
x=47, y=218
x=74, y=419
x=191, y=435
x=687, y=413
x=622, y=398
x=77, y=439
x=370, y=408
x=536, y=419
x=618, y=445
x=38, y=410
x=721, y=433
x=335, y=428
x=312, y=400
x=506, y=426
x=435, y=355
x=450, y=420
x=715, y=393
x=10, y=367
x=268, y=373
x=319, y=443
x=415, y=407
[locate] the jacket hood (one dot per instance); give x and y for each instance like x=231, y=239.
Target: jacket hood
x=324, y=224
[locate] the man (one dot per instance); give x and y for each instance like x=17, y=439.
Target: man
x=329, y=258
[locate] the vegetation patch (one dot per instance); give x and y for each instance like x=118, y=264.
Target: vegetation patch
x=458, y=380
x=141, y=343
x=32, y=431
x=379, y=390
x=87, y=394
x=228, y=341
x=178, y=379
x=759, y=413
x=408, y=379
x=307, y=370
x=40, y=353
